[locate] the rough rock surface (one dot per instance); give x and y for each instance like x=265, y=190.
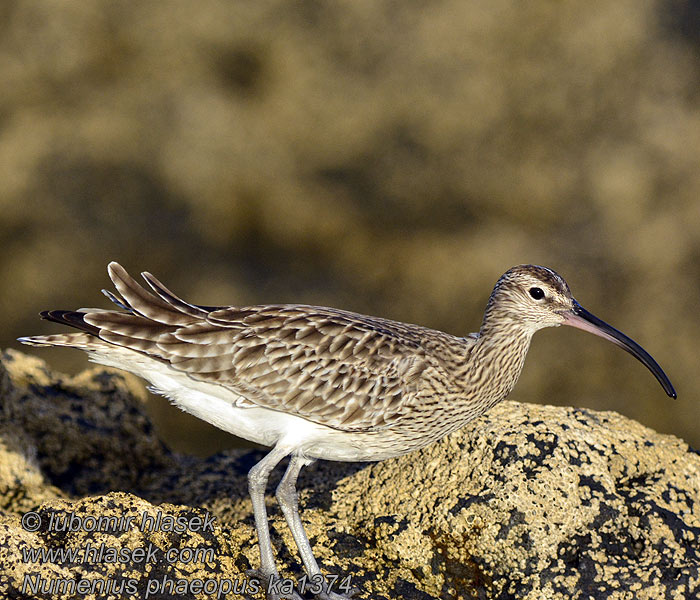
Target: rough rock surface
x=528, y=502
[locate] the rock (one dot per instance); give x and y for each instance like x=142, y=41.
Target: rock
x=89, y=433
x=527, y=502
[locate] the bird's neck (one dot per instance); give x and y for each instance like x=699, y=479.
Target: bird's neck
x=497, y=358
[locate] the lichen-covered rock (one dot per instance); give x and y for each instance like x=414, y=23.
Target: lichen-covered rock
x=527, y=502
x=89, y=433
x=537, y=502
x=116, y=544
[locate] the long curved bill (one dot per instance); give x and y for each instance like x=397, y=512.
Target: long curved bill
x=580, y=318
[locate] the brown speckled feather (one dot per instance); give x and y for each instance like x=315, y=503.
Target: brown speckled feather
x=334, y=367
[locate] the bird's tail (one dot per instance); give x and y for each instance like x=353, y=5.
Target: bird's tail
x=84, y=341
x=143, y=317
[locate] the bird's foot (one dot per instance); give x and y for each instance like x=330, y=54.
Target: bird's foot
x=275, y=587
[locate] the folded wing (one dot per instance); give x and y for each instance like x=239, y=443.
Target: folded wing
x=338, y=368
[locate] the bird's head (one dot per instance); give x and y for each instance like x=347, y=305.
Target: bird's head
x=530, y=297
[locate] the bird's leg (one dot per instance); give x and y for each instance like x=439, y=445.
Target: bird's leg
x=257, y=483
x=288, y=500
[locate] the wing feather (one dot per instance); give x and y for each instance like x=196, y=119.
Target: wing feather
x=337, y=368
x=171, y=299
x=141, y=345
x=144, y=302
x=203, y=366
x=125, y=324
x=310, y=362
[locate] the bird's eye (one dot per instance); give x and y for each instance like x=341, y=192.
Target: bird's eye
x=536, y=293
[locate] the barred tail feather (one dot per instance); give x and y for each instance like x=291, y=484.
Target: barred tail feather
x=146, y=318
x=144, y=309
x=72, y=318
x=83, y=341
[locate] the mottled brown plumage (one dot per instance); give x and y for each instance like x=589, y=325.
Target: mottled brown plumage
x=316, y=382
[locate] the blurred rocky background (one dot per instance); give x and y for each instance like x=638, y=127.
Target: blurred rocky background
x=385, y=157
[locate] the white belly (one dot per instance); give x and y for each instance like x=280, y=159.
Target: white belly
x=230, y=412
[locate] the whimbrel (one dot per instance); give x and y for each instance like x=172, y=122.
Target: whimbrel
x=322, y=383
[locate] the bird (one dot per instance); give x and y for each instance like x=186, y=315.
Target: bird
x=314, y=382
